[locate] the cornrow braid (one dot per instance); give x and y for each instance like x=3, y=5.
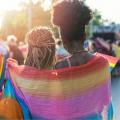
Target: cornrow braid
x=41, y=48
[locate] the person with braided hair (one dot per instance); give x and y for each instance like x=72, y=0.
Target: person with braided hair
x=41, y=48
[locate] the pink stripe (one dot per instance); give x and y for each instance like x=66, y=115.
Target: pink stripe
x=88, y=103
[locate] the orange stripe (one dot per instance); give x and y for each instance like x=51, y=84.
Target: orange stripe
x=59, y=87
x=1, y=64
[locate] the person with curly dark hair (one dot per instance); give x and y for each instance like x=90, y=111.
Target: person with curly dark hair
x=71, y=17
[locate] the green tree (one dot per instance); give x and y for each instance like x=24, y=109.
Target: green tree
x=16, y=22
x=97, y=20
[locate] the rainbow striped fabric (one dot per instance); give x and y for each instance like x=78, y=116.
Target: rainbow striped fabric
x=76, y=93
x=2, y=70
x=111, y=60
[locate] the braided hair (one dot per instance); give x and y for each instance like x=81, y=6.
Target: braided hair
x=41, y=48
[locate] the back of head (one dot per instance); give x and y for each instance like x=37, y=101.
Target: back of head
x=4, y=49
x=11, y=40
x=41, y=47
x=71, y=16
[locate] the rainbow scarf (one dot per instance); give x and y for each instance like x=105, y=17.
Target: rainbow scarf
x=111, y=60
x=2, y=70
x=69, y=93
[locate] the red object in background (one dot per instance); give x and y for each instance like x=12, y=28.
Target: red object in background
x=1, y=95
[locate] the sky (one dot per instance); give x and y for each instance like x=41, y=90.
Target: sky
x=14, y=4
x=9, y=4
x=6, y=5
x=109, y=8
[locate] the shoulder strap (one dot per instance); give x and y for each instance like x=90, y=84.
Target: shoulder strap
x=68, y=61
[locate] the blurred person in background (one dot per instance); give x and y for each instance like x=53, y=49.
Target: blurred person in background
x=92, y=47
x=23, y=48
x=15, y=53
x=111, y=50
x=103, y=46
x=4, y=50
x=61, y=53
x=21, y=43
x=116, y=48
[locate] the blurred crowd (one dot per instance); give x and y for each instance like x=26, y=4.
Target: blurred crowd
x=11, y=48
x=105, y=47
x=18, y=50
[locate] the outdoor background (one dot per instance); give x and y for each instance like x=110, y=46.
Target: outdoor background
x=18, y=16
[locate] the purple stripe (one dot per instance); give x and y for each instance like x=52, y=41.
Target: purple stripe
x=86, y=104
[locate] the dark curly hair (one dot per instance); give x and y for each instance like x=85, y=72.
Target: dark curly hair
x=71, y=16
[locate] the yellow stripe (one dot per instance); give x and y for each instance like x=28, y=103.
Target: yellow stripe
x=1, y=65
x=66, y=87
x=112, y=65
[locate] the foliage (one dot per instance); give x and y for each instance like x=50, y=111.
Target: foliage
x=96, y=21
x=97, y=18
x=16, y=22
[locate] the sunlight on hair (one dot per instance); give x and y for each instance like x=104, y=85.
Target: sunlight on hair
x=46, y=5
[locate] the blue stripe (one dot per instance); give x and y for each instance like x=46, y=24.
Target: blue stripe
x=9, y=91
x=3, y=74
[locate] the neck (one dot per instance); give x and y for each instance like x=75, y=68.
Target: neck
x=76, y=46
